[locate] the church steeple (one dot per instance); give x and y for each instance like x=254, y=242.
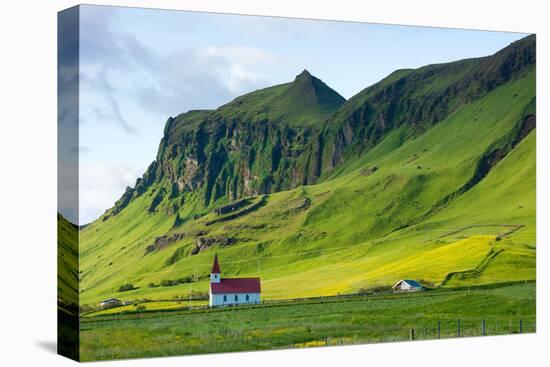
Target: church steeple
x=216, y=272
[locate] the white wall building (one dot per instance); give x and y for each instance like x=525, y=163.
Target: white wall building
x=232, y=291
x=407, y=285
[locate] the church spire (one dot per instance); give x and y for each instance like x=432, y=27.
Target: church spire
x=215, y=273
x=216, y=266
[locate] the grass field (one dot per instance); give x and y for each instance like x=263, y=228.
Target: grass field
x=312, y=323
x=353, y=230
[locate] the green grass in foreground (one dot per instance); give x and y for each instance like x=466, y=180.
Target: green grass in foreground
x=310, y=323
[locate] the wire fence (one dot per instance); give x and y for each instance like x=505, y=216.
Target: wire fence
x=435, y=329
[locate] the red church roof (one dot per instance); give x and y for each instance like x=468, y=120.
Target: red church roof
x=216, y=266
x=236, y=285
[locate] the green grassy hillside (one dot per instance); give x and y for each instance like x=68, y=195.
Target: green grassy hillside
x=451, y=205
x=67, y=261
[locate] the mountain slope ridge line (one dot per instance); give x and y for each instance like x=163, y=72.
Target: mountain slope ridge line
x=250, y=146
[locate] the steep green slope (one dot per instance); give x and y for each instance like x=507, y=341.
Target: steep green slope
x=67, y=262
x=403, y=208
x=416, y=100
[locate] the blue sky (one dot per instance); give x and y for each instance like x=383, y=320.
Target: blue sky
x=140, y=66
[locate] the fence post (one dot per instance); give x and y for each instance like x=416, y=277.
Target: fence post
x=483, y=327
x=412, y=334
x=458, y=328
x=521, y=326
x=438, y=329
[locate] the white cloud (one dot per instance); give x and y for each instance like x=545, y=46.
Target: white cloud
x=240, y=78
x=128, y=88
x=117, y=68
x=205, y=78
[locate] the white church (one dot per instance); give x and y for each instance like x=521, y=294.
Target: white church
x=232, y=291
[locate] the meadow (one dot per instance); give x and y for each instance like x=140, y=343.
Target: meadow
x=360, y=228
x=311, y=323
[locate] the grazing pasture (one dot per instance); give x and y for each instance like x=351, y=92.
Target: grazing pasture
x=306, y=323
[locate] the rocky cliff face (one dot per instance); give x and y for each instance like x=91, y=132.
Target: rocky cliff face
x=261, y=142
x=293, y=134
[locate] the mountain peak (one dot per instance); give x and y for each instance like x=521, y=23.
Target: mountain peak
x=313, y=92
x=305, y=74
x=306, y=101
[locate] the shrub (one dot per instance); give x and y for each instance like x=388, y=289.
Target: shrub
x=172, y=282
x=372, y=290
x=199, y=295
x=167, y=283
x=187, y=279
x=126, y=287
x=426, y=283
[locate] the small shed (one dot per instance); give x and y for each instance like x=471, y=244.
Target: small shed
x=407, y=285
x=111, y=302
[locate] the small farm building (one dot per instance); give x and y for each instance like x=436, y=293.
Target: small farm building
x=407, y=285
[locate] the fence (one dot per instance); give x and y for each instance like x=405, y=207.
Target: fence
x=440, y=329
x=458, y=328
